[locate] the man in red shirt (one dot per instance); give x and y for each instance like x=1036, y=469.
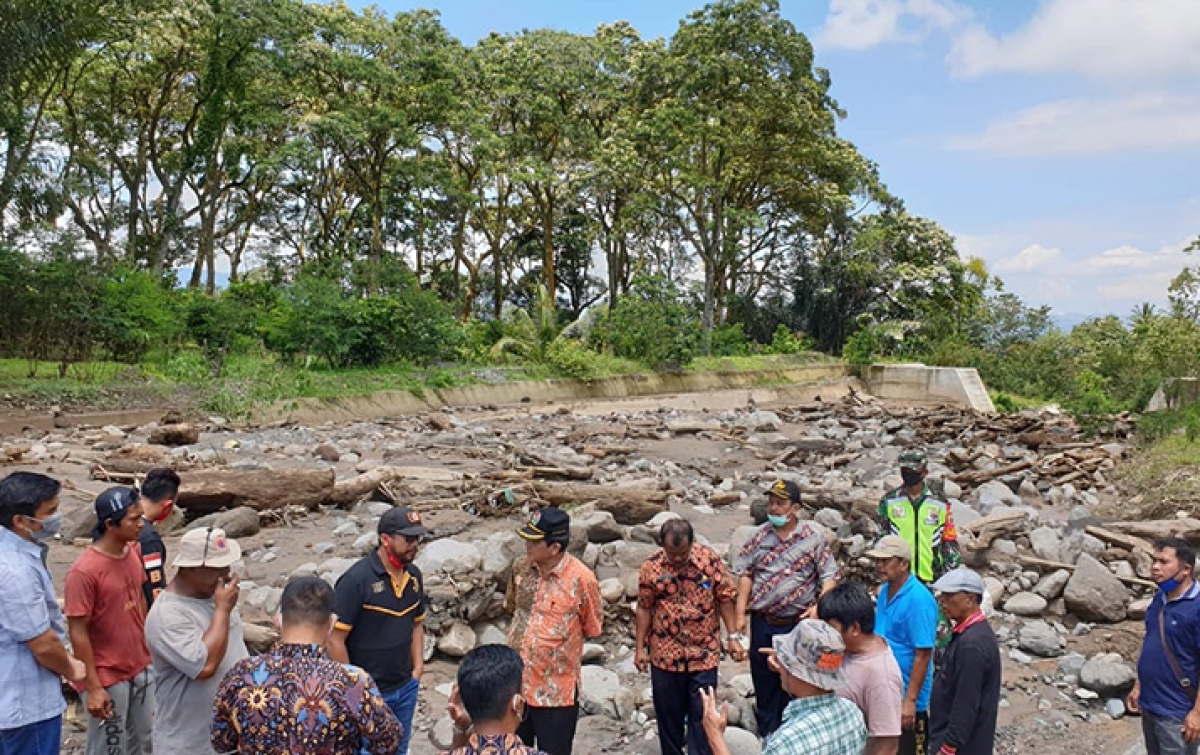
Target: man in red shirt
x=106, y=621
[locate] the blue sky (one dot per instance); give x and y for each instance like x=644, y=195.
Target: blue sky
x=1059, y=140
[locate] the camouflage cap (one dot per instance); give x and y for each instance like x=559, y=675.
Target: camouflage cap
x=813, y=652
x=913, y=458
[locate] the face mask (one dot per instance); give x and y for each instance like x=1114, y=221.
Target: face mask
x=1168, y=586
x=167, y=508
x=778, y=521
x=911, y=477
x=51, y=526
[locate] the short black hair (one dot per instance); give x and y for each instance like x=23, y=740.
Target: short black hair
x=848, y=604
x=22, y=493
x=561, y=540
x=676, y=530
x=1184, y=551
x=161, y=484
x=488, y=677
x=306, y=600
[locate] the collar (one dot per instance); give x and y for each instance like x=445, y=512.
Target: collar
x=507, y=742
x=12, y=541
x=801, y=705
x=975, y=618
x=378, y=567
x=297, y=650
x=908, y=582
x=1189, y=594
x=558, y=569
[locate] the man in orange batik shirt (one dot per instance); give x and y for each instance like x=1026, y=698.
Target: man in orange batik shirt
x=565, y=609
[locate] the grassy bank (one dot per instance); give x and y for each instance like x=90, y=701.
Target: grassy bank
x=1161, y=479
x=184, y=380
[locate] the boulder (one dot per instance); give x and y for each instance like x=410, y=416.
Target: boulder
x=1094, y=593
x=1045, y=543
x=995, y=589
x=1039, y=638
x=612, y=590
x=992, y=494
x=450, y=556
x=764, y=422
x=1029, y=494
x=1025, y=604
x=78, y=524
x=457, y=641
x=741, y=742
x=1052, y=585
x=239, y=522
x=1107, y=676
x=601, y=694
x=602, y=527
x=490, y=634
x=625, y=555
x=327, y=452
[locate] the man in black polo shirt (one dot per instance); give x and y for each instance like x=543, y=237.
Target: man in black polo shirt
x=158, y=492
x=380, y=607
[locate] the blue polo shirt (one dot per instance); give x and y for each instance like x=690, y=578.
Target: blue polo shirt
x=908, y=621
x=1161, y=693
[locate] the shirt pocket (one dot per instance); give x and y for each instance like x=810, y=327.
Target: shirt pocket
x=553, y=619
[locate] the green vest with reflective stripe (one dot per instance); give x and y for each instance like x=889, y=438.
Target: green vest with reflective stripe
x=921, y=525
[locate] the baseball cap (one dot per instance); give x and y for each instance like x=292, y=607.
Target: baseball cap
x=402, y=520
x=206, y=546
x=785, y=489
x=547, y=522
x=913, y=458
x=111, y=506
x=813, y=652
x=891, y=546
x=961, y=579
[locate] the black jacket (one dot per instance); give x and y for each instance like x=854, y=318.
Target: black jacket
x=965, y=699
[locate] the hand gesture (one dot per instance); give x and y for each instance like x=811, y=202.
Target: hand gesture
x=226, y=596
x=458, y=712
x=715, y=717
x=99, y=704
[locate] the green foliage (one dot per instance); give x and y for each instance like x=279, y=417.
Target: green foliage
x=864, y=347
x=784, y=341
x=730, y=340
x=215, y=323
x=571, y=359
x=135, y=313
x=652, y=325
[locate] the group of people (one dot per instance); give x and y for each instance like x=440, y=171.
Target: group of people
x=838, y=667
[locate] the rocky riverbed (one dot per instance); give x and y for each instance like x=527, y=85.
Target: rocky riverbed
x=1068, y=588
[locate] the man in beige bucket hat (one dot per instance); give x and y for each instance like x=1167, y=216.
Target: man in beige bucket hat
x=195, y=636
x=809, y=663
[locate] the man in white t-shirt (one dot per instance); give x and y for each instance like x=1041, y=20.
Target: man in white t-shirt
x=873, y=681
x=195, y=636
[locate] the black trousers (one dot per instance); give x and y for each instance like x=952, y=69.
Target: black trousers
x=769, y=697
x=676, y=702
x=915, y=741
x=551, y=730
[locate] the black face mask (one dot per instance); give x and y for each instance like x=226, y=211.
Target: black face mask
x=911, y=477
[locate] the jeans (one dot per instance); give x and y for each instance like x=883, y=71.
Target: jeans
x=42, y=738
x=403, y=703
x=676, y=700
x=128, y=731
x=769, y=697
x=1164, y=736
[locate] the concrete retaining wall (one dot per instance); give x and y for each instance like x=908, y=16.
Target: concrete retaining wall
x=918, y=384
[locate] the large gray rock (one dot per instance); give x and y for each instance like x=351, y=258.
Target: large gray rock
x=1045, y=543
x=602, y=694
x=239, y=522
x=1052, y=585
x=450, y=556
x=625, y=555
x=1025, y=604
x=1029, y=494
x=992, y=494
x=766, y=422
x=602, y=527
x=1094, y=593
x=741, y=742
x=457, y=641
x=1107, y=676
x=1039, y=638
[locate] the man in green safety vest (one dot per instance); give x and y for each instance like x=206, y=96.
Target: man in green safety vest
x=922, y=517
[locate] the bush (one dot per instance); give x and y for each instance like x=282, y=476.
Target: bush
x=863, y=347
x=730, y=341
x=653, y=325
x=570, y=358
x=784, y=341
x=135, y=313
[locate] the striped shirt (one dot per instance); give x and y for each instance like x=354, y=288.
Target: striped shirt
x=29, y=692
x=787, y=574
x=822, y=725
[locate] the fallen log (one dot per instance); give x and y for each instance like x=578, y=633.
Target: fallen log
x=724, y=498
x=974, y=478
x=350, y=491
x=174, y=435
x=260, y=489
x=602, y=452
x=1130, y=543
x=1188, y=528
x=627, y=505
x=1041, y=563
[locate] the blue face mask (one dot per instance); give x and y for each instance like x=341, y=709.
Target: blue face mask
x=51, y=526
x=777, y=521
x=1168, y=586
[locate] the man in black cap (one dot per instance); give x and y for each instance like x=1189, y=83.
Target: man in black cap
x=558, y=605
x=380, y=607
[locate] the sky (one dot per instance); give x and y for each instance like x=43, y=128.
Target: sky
x=1058, y=140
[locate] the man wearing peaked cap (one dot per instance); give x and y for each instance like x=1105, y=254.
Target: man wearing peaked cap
x=106, y=621
x=557, y=604
x=783, y=570
x=380, y=606
x=966, y=690
x=809, y=663
x=195, y=636
x=922, y=517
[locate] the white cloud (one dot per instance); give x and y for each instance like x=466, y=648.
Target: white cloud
x=1124, y=39
x=1150, y=121
x=1032, y=257
x=861, y=24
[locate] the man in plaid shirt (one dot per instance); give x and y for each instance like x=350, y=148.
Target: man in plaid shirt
x=816, y=722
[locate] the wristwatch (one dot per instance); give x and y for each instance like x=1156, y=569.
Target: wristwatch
x=737, y=637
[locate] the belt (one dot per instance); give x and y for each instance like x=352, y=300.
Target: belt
x=778, y=621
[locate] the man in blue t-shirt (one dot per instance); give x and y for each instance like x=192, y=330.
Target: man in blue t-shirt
x=907, y=617
x=1165, y=689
